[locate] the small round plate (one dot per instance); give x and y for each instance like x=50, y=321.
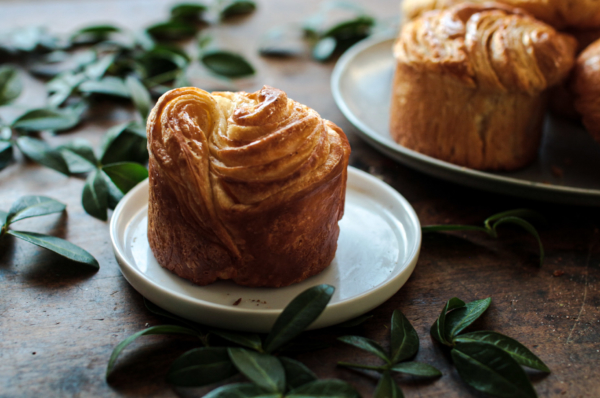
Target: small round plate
x=378, y=248
x=567, y=169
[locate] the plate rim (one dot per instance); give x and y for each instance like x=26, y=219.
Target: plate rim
x=476, y=176
x=412, y=254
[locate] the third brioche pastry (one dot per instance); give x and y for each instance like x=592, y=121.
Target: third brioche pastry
x=586, y=88
x=247, y=187
x=469, y=84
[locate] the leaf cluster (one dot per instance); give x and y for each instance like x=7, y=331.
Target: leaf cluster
x=106, y=60
x=334, y=28
x=256, y=357
x=491, y=224
x=36, y=206
x=404, y=346
x=487, y=361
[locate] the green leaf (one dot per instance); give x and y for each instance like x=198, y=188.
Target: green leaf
x=526, y=226
x=162, y=329
x=33, y=206
x=516, y=350
x=355, y=322
x=124, y=143
x=95, y=196
x=172, y=30
x=188, y=10
x=324, y=49
x=40, y=152
x=262, y=369
x=62, y=87
x=201, y=366
x=387, y=388
x=47, y=119
x=10, y=84
x=6, y=153
x=357, y=28
x=489, y=369
x=58, y=246
x=97, y=70
x=114, y=193
x=79, y=156
x=140, y=96
x=93, y=34
x=522, y=213
x=3, y=218
x=296, y=373
x=441, y=228
x=249, y=340
x=126, y=175
x=416, y=369
x=459, y=319
x=226, y=63
x=439, y=326
x=107, y=86
x=241, y=390
x=405, y=341
x=299, y=314
x=324, y=389
x=230, y=8
x=366, y=344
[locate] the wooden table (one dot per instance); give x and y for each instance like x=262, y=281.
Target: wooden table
x=59, y=324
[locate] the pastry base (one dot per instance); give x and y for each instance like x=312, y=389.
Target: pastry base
x=439, y=116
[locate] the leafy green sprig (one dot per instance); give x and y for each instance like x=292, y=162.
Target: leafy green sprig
x=404, y=346
x=491, y=224
x=487, y=361
x=36, y=206
x=256, y=357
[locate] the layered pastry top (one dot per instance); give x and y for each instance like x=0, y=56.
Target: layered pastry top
x=488, y=46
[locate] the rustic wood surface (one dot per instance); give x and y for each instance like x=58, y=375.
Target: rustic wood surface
x=59, y=323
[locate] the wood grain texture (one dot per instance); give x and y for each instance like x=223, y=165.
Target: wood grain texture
x=59, y=323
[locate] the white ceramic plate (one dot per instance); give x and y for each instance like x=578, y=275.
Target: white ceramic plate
x=378, y=248
x=361, y=85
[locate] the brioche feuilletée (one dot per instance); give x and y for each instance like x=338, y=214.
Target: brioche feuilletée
x=246, y=187
x=470, y=81
x=586, y=88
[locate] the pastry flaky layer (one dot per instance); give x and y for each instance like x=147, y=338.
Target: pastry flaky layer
x=247, y=187
x=586, y=88
x=561, y=14
x=470, y=81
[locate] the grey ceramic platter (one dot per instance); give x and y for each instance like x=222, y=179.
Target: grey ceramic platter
x=567, y=169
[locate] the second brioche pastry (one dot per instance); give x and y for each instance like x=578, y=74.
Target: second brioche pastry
x=247, y=187
x=470, y=82
x=586, y=88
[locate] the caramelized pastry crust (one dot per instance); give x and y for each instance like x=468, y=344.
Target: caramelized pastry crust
x=247, y=187
x=561, y=14
x=586, y=87
x=469, y=82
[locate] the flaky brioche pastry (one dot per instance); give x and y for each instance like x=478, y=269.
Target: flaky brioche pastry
x=561, y=14
x=247, y=187
x=469, y=82
x=586, y=87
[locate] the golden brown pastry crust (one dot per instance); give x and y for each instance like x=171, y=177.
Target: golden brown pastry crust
x=586, y=87
x=576, y=14
x=469, y=84
x=247, y=187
